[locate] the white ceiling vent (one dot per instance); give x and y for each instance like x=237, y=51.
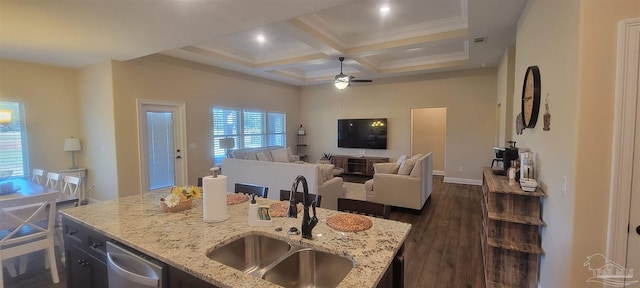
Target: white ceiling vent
x=480, y=40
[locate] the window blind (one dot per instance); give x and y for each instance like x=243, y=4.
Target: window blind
x=13, y=146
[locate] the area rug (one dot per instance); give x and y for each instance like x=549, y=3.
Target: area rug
x=355, y=191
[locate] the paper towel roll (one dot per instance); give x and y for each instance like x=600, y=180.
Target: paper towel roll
x=214, y=198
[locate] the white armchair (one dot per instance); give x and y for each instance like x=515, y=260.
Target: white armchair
x=409, y=191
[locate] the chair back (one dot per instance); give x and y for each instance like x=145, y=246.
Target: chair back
x=37, y=176
x=31, y=218
x=285, y=194
x=252, y=189
x=53, y=180
x=31, y=227
x=71, y=184
x=364, y=207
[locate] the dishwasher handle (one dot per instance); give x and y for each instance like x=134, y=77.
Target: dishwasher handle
x=112, y=259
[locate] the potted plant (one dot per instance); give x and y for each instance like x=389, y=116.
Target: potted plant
x=326, y=158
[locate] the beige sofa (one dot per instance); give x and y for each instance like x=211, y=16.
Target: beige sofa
x=280, y=175
x=409, y=191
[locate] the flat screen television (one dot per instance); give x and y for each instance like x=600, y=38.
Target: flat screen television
x=362, y=133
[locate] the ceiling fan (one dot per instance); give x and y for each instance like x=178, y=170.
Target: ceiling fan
x=343, y=81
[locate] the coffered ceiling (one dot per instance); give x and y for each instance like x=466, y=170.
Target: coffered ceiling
x=302, y=38
x=414, y=36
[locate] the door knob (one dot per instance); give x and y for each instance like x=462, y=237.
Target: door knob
x=638, y=230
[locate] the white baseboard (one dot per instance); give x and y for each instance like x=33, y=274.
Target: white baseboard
x=463, y=181
x=438, y=172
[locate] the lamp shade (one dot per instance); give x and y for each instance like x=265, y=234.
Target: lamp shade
x=227, y=143
x=72, y=144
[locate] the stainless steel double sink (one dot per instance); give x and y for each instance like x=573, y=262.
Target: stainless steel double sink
x=283, y=263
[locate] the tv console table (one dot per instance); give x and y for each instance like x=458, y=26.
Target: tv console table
x=361, y=165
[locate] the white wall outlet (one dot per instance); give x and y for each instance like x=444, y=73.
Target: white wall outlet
x=564, y=185
x=193, y=146
x=460, y=169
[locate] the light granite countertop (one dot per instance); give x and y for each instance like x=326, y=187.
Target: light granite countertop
x=182, y=239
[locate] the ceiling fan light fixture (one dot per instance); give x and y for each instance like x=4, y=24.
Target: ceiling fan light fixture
x=342, y=81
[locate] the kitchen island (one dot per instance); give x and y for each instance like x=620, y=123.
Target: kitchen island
x=182, y=239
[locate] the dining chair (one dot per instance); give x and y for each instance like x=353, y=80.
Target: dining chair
x=285, y=194
x=32, y=222
x=37, y=176
x=53, y=181
x=252, y=189
x=71, y=185
x=364, y=207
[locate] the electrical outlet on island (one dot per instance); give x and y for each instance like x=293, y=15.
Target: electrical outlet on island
x=460, y=169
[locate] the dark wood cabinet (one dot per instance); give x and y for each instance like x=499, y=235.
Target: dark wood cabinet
x=358, y=165
x=181, y=279
x=394, y=276
x=85, y=256
x=84, y=270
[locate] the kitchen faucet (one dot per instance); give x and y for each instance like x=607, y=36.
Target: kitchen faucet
x=308, y=222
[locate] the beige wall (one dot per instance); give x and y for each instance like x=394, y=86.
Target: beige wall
x=201, y=88
x=51, y=110
x=506, y=96
x=429, y=134
x=574, y=44
x=597, y=74
x=469, y=97
x=547, y=37
x=97, y=121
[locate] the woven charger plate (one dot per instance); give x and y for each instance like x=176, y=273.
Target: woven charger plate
x=280, y=209
x=349, y=222
x=236, y=198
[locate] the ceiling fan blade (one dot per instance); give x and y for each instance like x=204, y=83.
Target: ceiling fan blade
x=356, y=80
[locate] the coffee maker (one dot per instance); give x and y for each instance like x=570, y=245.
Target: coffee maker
x=510, y=154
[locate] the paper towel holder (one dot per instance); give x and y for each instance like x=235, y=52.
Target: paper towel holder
x=215, y=171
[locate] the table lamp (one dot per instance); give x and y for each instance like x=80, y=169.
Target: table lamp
x=227, y=144
x=72, y=145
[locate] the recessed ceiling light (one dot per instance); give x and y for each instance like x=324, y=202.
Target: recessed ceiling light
x=384, y=9
x=260, y=38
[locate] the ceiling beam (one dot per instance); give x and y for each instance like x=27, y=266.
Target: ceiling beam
x=317, y=39
x=430, y=66
x=290, y=61
x=217, y=56
x=364, y=49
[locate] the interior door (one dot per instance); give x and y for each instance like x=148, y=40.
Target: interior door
x=162, y=142
x=633, y=242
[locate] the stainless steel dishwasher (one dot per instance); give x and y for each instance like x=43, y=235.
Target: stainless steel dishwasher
x=132, y=269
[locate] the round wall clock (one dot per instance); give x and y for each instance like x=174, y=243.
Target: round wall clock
x=531, y=97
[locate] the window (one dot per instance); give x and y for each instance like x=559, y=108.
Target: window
x=248, y=128
x=13, y=148
x=276, y=129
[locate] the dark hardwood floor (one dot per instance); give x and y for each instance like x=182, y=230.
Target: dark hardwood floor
x=442, y=249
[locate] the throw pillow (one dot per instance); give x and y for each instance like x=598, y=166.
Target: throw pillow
x=416, y=156
x=386, y=168
x=290, y=155
x=250, y=155
x=326, y=170
x=261, y=156
x=415, y=172
x=237, y=154
x=407, y=166
x=402, y=158
x=280, y=155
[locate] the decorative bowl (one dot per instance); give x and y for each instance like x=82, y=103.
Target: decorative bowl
x=183, y=205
